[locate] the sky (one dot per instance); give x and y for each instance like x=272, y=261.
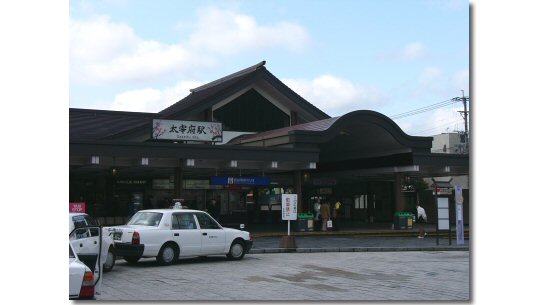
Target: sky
x=390, y=56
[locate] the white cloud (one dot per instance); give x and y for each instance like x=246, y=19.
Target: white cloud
x=446, y=119
x=100, y=40
x=142, y=100
x=150, y=99
x=103, y=51
x=229, y=32
x=413, y=51
x=335, y=96
x=106, y=52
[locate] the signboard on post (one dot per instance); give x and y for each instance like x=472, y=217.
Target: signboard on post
x=443, y=221
x=289, y=206
x=459, y=215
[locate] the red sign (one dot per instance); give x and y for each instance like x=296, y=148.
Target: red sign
x=77, y=207
x=443, y=191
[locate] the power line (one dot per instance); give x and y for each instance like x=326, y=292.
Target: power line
x=424, y=109
x=437, y=127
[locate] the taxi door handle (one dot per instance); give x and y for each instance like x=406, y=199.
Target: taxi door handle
x=205, y=234
x=176, y=234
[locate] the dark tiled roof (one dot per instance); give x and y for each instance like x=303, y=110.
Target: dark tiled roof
x=202, y=97
x=200, y=94
x=320, y=125
x=97, y=124
x=230, y=77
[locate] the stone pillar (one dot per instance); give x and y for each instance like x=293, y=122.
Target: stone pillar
x=399, y=202
x=298, y=185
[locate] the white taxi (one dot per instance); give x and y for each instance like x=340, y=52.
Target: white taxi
x=170, y=234
x=81, y=278
x=87, y=241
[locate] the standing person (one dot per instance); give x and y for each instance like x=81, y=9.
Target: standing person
x=317, y=208
x=421, y=220
x=213, y=210
x=325, y=214
x=336, y=212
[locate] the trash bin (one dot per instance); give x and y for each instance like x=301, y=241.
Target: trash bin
x=403, y=220
x=305, y=222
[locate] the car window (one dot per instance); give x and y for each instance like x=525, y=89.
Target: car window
x=183, y=221
x=206, y=222
x=82, y=221
x=79, y=221
x=146, y=219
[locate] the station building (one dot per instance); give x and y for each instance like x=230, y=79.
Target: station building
x=243, y=140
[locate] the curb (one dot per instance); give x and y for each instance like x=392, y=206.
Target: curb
x=352, y=233
x=356, y=249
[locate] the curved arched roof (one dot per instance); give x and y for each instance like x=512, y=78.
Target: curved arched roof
x=361, y=133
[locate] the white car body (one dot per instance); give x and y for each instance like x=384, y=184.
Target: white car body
x=170, y=234
x=88, y=244
x=77, y=271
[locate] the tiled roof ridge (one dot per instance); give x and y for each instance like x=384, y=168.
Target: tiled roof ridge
x=229, y=77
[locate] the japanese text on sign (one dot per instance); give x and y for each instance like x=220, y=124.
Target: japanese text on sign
x=289, y=206
x=187, y=130
x=77, y=207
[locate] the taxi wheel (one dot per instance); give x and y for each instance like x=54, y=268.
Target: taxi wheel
x=168, y=255
x=237, y=250
x=110, y=260
x=131, y=259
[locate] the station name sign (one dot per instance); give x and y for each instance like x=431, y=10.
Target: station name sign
x=229, y=180
x=187, y=130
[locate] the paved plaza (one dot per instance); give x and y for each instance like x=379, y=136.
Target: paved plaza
x=327, y=276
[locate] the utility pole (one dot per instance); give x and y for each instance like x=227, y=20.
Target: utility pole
x=464, y=99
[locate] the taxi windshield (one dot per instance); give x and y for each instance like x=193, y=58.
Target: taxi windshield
x=146, y=219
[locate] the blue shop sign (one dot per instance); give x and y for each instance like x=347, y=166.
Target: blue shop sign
x=229, y=180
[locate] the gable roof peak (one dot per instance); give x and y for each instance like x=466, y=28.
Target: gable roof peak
x=229, y=77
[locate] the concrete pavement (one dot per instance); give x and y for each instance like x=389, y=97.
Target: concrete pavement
x=360, y=264
x=336, y=276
